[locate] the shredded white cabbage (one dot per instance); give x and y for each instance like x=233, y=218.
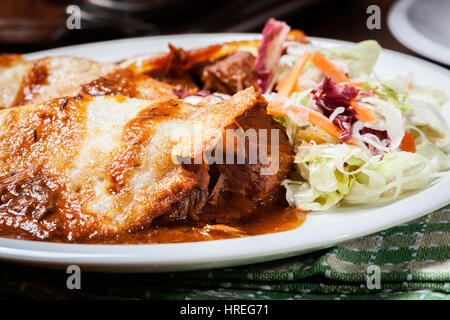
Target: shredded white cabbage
x=349, y=174
x=373, y=169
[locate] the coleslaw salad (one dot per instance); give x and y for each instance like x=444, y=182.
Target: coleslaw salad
x=357, y=138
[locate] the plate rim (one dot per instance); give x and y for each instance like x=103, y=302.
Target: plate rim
x=216, y=253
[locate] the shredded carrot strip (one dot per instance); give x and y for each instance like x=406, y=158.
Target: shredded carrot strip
x=354, y=84
x=287, y=85
x=364, y=113
x=408, y=143
x=329, y=68
x=304, y=114
x=297, y=35
x=281, y=84
x=298, y=87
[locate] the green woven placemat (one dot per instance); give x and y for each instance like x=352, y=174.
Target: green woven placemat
x=413, y=260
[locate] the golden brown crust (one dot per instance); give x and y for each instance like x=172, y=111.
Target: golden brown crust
x=31, y=84
x=130, y=84
x=8, y=60
x=27, y=82
x=35, y=146
x=179, y=59
x=135, y=136
x=98, y=167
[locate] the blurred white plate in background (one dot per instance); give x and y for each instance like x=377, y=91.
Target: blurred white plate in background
x=423, y=26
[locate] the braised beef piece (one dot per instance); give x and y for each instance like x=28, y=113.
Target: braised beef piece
x=181, y=80
x=191, y=205
x=229, y=192
x=186, y=72
x=231, y=74
x=32, y=197
x=237, y=190
x=172, y=72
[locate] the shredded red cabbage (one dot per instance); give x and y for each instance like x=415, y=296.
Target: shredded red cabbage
x=181, y=93
x=269, y=52
x=330, y=96
x=380, y=134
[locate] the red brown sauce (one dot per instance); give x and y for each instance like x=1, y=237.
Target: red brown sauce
x=36, y=207
x=31, y=83
x=34, y=201
x=7, y=60
x=265, y=220
x=119, y=82
x=270, y=219
x=178, y=79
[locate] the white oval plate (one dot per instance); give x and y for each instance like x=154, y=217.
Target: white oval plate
x=423, y=26
x=320, y=230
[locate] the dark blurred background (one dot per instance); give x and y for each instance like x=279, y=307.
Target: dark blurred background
x=31, y=25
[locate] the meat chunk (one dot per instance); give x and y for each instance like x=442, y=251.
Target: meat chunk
x=241, y=188
x=231, y=74
x=27, y=196
x=248, y=178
